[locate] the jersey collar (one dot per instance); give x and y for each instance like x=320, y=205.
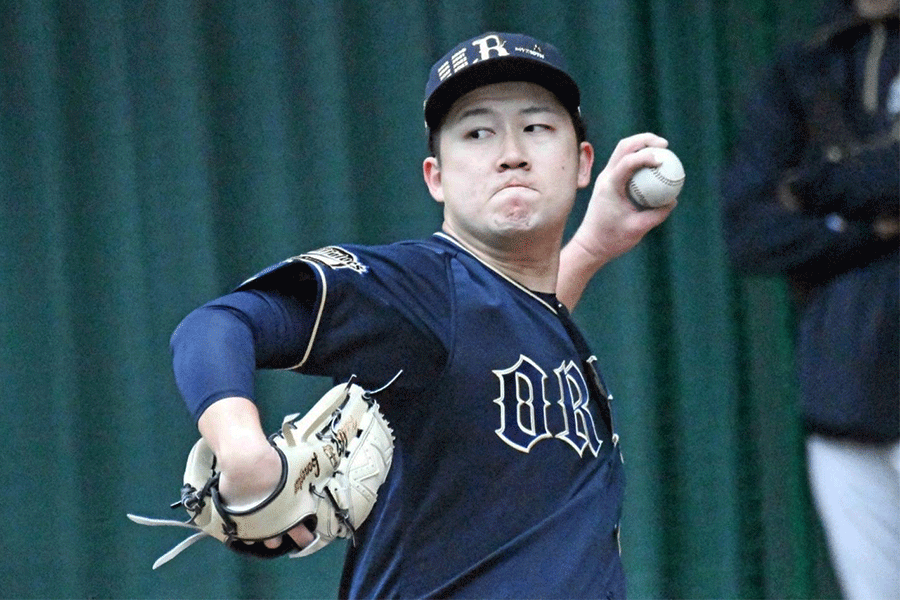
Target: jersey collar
x=548, y=300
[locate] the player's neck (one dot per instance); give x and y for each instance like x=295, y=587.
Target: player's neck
x=532, y=265
x=537, y=278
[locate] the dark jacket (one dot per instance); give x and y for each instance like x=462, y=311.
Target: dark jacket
x=813, y=194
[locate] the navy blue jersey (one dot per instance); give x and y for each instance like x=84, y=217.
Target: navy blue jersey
x=507, y=479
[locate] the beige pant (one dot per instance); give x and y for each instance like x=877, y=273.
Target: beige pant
x=856, y=488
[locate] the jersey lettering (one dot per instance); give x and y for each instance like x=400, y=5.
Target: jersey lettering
x=522, y=425
x=525, y=408
x=579, y=430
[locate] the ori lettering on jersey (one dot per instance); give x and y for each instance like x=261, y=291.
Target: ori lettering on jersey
x=525, y=407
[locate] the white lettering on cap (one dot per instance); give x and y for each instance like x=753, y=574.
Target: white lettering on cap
x=489, y=44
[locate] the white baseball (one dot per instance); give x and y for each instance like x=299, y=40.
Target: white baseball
x=652, y=187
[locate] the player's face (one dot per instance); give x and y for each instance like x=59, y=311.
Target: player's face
x=509, y=167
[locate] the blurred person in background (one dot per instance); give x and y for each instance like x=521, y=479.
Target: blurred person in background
x=812, y=194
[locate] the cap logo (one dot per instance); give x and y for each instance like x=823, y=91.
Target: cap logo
x=485, y=47
x=535, y=51
x=459, y=60
x=496, y=57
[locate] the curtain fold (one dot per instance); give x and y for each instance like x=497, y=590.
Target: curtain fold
x=153, y=155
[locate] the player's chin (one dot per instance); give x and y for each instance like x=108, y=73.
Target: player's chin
x=513, y=228
x=517, y=216
x=522, y=220
x=524, y=235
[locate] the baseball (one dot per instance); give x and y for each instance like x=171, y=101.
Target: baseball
x=652, y=187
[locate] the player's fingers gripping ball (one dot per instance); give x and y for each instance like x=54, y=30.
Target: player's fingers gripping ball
x=333, y=460
x=653, y=187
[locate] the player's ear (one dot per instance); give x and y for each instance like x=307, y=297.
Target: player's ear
x=585, y=163
x=431, y=170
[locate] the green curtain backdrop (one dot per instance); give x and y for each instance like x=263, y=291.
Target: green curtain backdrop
x=154, y=154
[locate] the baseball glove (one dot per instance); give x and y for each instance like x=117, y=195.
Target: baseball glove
x=333, y=460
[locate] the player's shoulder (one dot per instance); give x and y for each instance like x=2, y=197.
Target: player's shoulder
x=426, y=256
x=430, y=248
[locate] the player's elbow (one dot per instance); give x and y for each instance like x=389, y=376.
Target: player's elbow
x=206, y=327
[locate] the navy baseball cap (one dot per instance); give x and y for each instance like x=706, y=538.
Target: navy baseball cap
x=493, y=58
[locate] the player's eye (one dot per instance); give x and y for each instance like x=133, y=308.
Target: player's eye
x=478, y=134
x=537, y=127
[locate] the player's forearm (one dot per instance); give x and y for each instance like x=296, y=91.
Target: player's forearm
x=230, y=426
x=250, y=466
x=576, y=268
x=599, y=242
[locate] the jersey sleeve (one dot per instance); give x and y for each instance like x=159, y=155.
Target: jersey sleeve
x=375, y=312
x=217, y=347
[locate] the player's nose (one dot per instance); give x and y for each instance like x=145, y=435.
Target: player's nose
x=512, y=154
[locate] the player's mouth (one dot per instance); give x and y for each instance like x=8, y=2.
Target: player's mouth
x=513, y=184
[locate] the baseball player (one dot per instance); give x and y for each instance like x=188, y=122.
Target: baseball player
x=507, y=477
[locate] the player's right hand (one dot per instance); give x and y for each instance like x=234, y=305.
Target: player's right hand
x=612, y=225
